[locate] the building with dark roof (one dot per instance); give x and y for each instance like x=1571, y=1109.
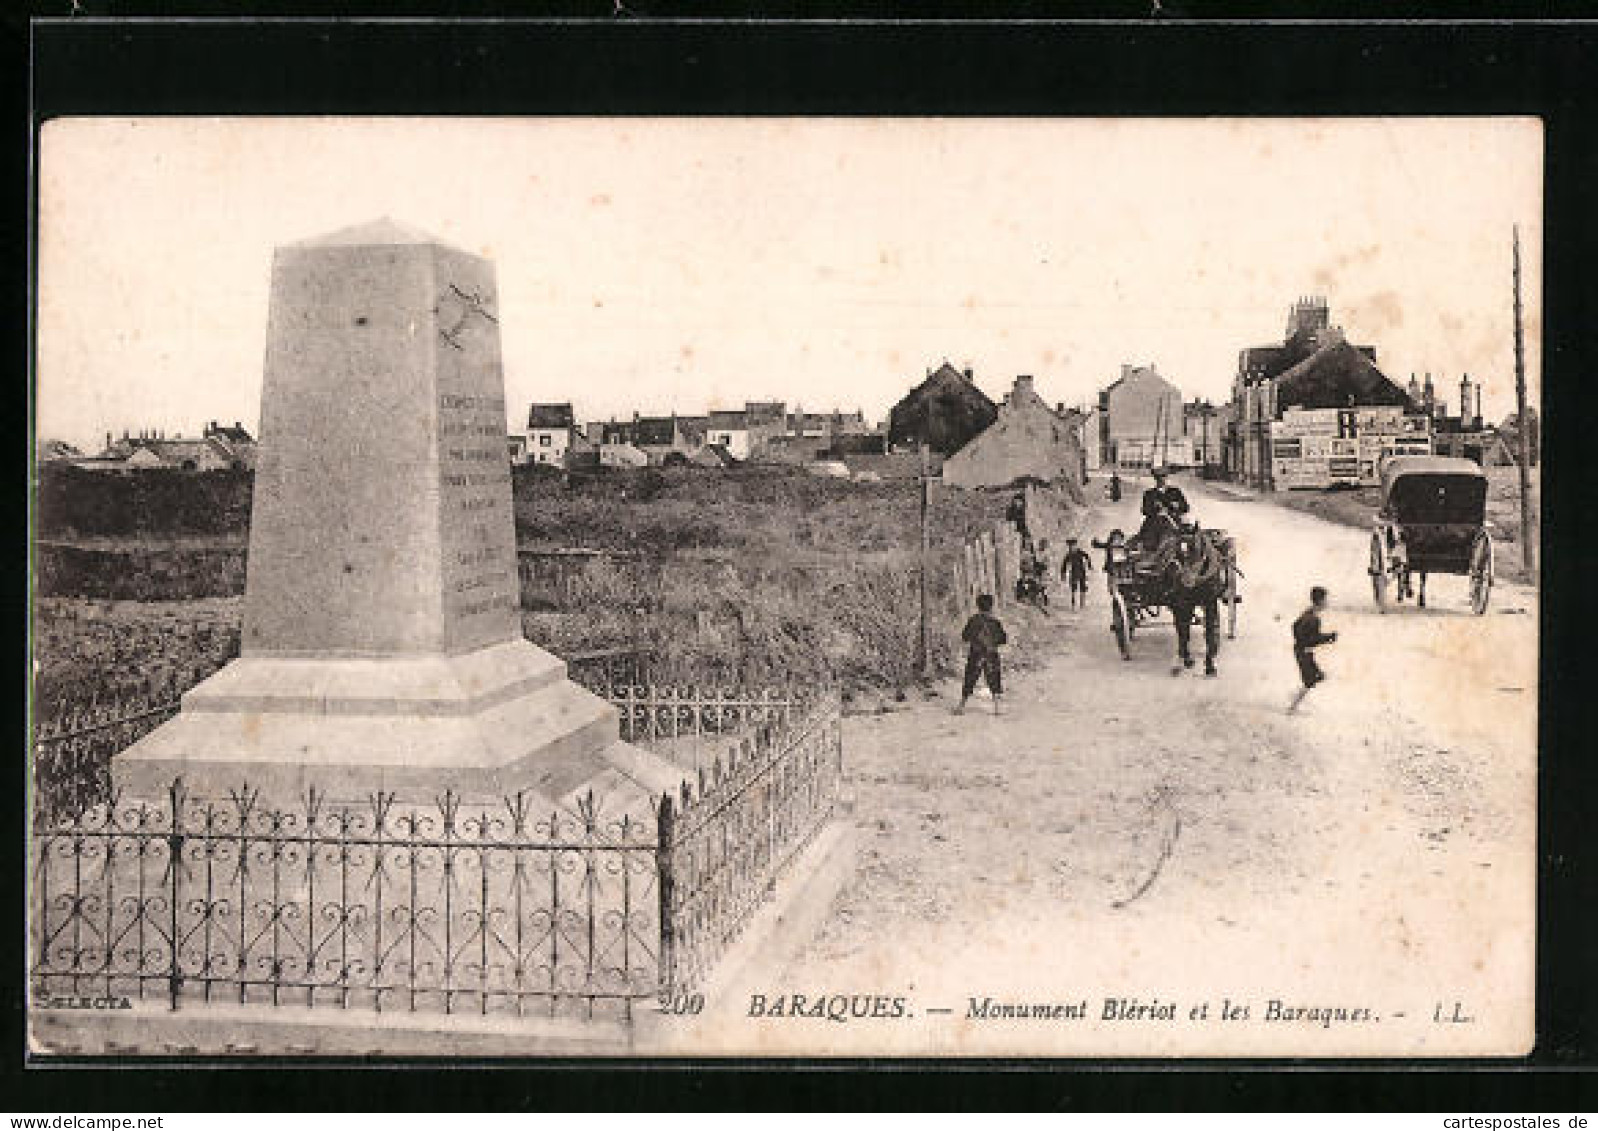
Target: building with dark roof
x=660, y=437
x=1314, y=366
x=946, y=411
x=551, y=416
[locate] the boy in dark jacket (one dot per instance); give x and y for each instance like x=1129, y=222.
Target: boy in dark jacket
x=1075, y=570
x=1307, y=636
x=983, y=635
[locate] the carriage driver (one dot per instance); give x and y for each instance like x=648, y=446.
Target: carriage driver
x=1164, y=507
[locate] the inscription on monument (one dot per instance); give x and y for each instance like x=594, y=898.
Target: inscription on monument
x=481, y=587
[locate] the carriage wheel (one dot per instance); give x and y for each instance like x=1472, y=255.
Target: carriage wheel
x=1121, y=625
x=1481, y=573
x=1378, y=572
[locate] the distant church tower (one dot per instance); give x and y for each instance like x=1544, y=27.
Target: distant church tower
x=1309, y=316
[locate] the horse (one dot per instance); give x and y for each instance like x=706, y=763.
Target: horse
x=1193, y=565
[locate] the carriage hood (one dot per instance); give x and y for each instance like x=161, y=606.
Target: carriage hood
x=1456, y=489
x=1399, y=467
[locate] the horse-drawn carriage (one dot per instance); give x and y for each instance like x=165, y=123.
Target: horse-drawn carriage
x=1433, y=519
x=1191, y=569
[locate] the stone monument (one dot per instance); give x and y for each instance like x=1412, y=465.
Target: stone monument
x=382, y=645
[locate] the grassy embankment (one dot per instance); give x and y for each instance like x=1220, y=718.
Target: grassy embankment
x=755, y=576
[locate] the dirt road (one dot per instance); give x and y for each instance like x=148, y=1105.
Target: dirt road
x=1125, y=833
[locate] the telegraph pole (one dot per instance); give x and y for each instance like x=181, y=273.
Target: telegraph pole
x=1525, y=423
x=924, y=652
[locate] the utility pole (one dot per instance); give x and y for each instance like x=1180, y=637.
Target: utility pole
x=924, y=652
x=1524, y=422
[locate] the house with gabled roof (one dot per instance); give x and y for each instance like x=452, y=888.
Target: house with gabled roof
x=235, y=443
x=1027, y=440
x=946, y=411
x=1141, y=420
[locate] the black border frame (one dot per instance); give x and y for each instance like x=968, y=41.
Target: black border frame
x=1028, y=63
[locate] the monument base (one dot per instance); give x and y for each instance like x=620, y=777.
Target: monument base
x=484, y=724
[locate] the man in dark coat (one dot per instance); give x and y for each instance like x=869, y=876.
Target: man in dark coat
x=1164, y=506
x=1165, y=495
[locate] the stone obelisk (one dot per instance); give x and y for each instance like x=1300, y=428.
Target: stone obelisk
x=382, y=645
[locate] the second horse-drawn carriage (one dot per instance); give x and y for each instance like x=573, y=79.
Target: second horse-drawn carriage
x=1433, y=519
x=1191, y=569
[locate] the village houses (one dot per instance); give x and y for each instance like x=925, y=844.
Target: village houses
x=219, y=446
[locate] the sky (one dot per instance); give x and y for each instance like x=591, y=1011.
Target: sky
x=666, y=265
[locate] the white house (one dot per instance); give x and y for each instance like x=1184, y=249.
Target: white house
x=549, y=433
x=729, y=430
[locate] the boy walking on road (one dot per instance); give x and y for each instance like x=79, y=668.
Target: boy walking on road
x=1075, y=570
x=983, y=635
x=1307, y=636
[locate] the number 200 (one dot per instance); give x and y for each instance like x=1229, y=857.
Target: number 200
x=682, y=1004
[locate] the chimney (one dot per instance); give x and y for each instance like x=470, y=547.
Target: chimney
x=1478, y=405
x=967, y=372
x=238, y=425
x=1023, y=384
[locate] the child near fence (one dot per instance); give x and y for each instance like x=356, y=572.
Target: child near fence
x=984, y=636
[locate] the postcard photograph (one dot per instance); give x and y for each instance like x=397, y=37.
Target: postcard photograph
x=838, y=587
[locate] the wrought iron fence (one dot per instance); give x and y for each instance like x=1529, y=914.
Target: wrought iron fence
x=604, y=668
x=727, y=839
x=650, y=713
x=487, y=909
x=499, y=908
x=74, y=742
